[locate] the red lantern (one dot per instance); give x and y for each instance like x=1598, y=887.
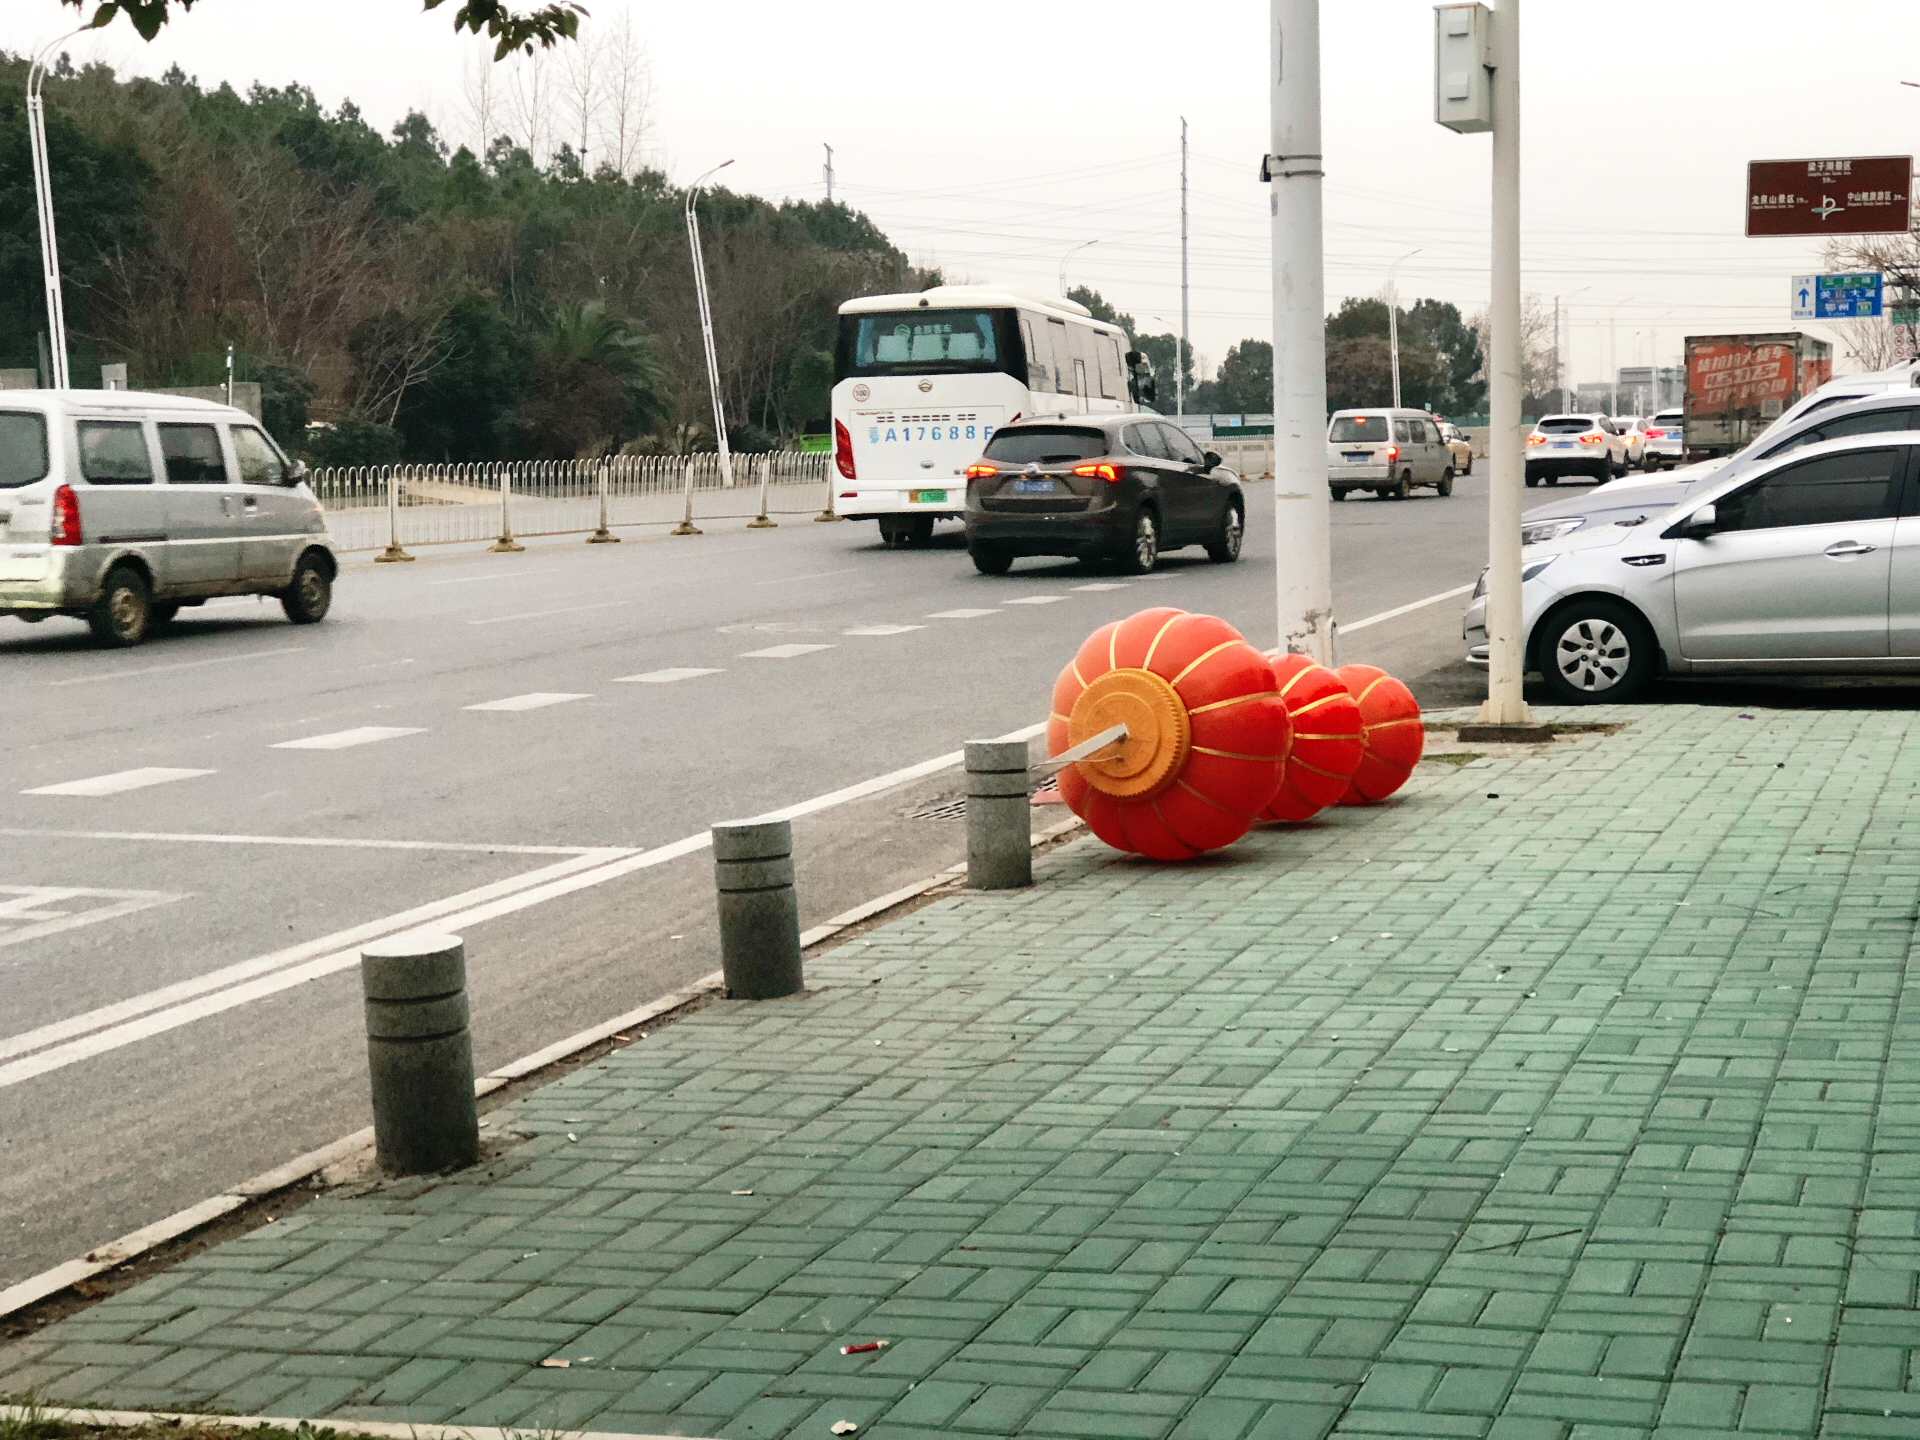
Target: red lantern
x=1207, y=733
x=1394, y=735
x=1327, y=739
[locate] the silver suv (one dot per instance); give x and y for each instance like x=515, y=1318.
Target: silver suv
x=120, y=507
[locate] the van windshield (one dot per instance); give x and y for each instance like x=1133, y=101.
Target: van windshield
x=23, y=448
x=1350, y=428
x=1046, y=444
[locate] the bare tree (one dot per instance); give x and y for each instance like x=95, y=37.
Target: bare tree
x=1538, y=380
x=1876, y=344
x=529, y=105
x=483, y=100
x=629, y=97
x=582, y=99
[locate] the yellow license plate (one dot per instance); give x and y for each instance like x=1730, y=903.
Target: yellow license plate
x=926, y=497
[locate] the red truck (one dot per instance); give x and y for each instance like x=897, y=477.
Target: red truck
x=1737, y=385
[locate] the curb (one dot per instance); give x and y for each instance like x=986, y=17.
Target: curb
x=349, y=1147
x=385, y=1429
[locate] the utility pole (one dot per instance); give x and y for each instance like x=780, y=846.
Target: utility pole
x=1180, y=359
x=1559, y=375
x=828, y=171
x=1293, y=169
x=1393, y=320
x=43, y=204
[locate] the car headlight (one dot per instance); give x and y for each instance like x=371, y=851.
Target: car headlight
x=1543, y=530
x=1535, y=568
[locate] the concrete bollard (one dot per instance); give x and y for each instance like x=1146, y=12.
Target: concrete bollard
x=999, y=830
x=759, y=916
x=420, y=1054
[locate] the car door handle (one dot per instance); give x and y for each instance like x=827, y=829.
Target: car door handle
x=226, y=505
x=1841, y=549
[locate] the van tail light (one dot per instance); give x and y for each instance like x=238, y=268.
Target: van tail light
x=981, y=471
x=1112, y=473
x=843, y=450
x=66, y=517
x=1592, y=439
x=1393, y=452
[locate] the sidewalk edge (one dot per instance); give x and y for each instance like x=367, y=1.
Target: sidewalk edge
x=386, y=1429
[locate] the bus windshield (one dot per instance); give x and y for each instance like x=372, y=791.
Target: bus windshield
x=919, y=342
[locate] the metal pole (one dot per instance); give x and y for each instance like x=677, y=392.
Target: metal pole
x=686, y=525
x=1559, y=376
x=506, y=544
x=420, y=1054
x=229, y=374
x=706, y=331
x=1506, y=644
x=760, y=521
x=603, y=536
x=1068, y=256
x=1393, y=319
x=829, y=172
x=759, y=914
x=393, y=551
x=999, y=824
x=1179, y=359
x=829, y=513
x=43, y=205
x=1301, y=510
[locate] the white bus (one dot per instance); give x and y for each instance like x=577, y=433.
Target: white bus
x=922, y=380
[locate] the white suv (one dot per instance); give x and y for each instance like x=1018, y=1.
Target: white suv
x=1666, y=442
x=1575, y=445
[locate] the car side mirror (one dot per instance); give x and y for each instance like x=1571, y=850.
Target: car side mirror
x=1209, y=460
x=1697, y=526
x=296, y=472
x=1134, y=359
x=1149, y=390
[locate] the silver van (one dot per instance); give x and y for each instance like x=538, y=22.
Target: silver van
x=1386, y=451
x=120, y=507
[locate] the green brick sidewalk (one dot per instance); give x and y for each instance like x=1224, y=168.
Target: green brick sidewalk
x=1597, y=1120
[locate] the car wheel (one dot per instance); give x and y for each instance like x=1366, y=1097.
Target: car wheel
x=1404, y=488
x=162, y=613
x=1467, y=469
x=1224, y=548
x=1445, y=487
x=1339, y=492
x=308, y=598
x=1145, y=551
x=123, y=612
x=990, y=559
x=1595, y=651
x=1553, y=479
x=1532, y=480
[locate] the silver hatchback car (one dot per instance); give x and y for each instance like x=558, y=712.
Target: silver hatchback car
x=1808, y=563
x=120, y=508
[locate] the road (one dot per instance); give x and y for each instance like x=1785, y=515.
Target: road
x=182, y=1008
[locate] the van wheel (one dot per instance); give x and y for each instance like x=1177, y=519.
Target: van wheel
x=1404, y=488
x=306, y=600
x=990, y=559
x=1339, y=492
x=1445, y=487
x=121, y=615
x=1532, y=480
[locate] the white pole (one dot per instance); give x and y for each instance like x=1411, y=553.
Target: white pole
x=1180, y=351
x=1068, y=256
x=686, y=525
x=43, y=205
x=1393, y=319
x=1559, y=376
x=1506, y=643
x=760, y=521
x=1301, y=508
x=393, y=551
x=828, y=171
x=706, y=330
x=603, y=536
x=506, y=544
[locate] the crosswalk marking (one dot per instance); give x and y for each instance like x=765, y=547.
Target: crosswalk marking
x=1037, y=600
x=345, y=739
x=782, y=652
x=959, y=614
x=118, y=781
x=664, y=677
x=534, y=700
x=882, y=629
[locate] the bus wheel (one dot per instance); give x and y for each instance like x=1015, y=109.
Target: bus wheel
x=893, y=531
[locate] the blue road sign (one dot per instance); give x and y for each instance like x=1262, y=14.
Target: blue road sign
x=1847, y=297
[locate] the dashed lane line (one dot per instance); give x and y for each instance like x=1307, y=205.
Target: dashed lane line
x=882, y=629
x=1102, y=586
x=960, y=614
x=665, y=677
x=782, y=652
x=347, y=739
x=534, y=700
x=1035, y=600
x=119, y=781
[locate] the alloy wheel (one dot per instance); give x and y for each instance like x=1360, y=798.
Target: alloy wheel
x=1146, y=542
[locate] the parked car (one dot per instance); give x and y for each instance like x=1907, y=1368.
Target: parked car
x=1122, y=487
x=1666, y=442
x=1807, y=562
x=1563, y=445
x=1633, y=430
x=121, y=508
x=1386, y=451
x=1458, y=445
x=1640, y=498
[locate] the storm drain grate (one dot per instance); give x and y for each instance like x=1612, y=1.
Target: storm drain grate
x=957, y=809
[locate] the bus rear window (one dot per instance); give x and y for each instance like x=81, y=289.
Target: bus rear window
x=23, y=448
x=1046, y=444
x=1349, y=429
x=919, y=342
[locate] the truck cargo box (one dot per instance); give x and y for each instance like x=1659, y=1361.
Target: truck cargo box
x=1737, y=385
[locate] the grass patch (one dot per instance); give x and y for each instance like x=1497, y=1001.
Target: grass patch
x=1445, y=757
x=27, y=1417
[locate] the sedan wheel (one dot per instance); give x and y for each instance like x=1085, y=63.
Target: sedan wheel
x=1224, y=548
x=1145, y=553
x=1596, y=651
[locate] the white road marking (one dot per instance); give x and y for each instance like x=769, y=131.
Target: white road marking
x=664, y=677
x=182, y=665
x=118, y=781
x=1400, y=610
x=1035, y=600
x=324, y=842
x=882, y=629
x=345, y=739
x=817, y=575
x=782, y=652
x=541, y=614
x=534, y=700
x=1120, y=585
x=114, y=1026
x=959, y=614
x=31, y=908
x=496, y=575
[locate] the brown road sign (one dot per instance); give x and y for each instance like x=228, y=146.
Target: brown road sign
x=1863, y=195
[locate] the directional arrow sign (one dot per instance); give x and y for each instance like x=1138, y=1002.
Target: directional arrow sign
x=1802, y=296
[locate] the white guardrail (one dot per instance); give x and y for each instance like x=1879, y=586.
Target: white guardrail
x=384, y=506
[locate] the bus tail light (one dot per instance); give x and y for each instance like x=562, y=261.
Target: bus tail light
x=66, y=517
x=1114, y=474
x=843, y=450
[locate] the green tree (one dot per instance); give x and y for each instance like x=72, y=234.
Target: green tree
x=591, y=384
x=510, y=29
x=1246, y=378
x=462, y=410
x=1098, y=307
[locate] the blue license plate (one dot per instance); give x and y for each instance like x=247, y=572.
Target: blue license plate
x=1033, y=487
x=1564, y=445
x=1359, y=457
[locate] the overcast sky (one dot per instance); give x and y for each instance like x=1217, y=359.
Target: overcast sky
x=993, y=136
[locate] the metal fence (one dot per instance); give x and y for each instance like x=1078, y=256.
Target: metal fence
x=372, y=506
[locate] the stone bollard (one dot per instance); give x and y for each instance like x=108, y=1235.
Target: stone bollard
x=759, y=916
x=420, y=1054
x=999, y=830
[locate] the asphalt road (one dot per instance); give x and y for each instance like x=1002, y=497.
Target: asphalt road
x=181, y=1009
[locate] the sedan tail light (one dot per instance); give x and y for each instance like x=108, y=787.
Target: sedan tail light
x=66, y=517
x=1536, y=439
x=1113, y=473
x=1656, y=434
x=1592, y=439
x=981, y=471
x=843, y=450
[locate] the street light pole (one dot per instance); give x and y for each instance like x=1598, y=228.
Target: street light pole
x=1393, y=319
x=43, y=205
x=1179, y=368
x=706, y=325
x=1613, y=355
x=1068, y=256
x=1293, y=167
